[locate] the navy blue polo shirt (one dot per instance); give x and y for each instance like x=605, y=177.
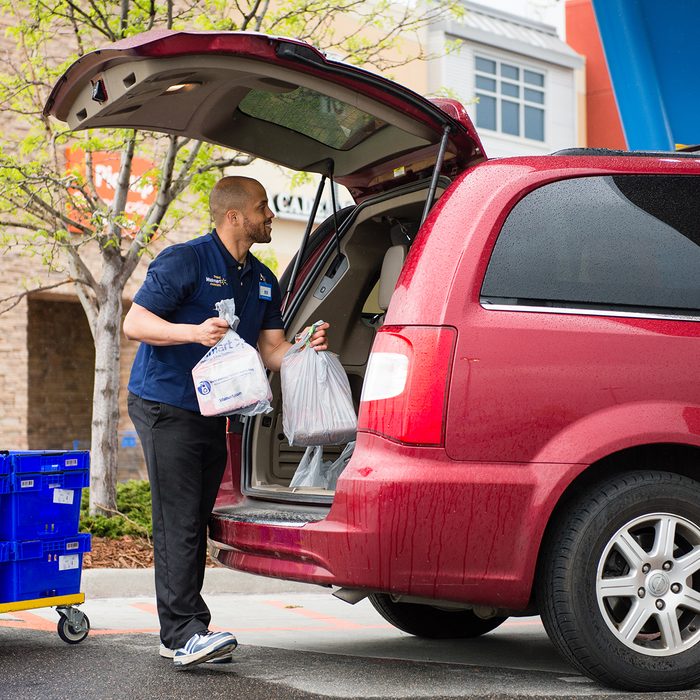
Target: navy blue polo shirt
x=182, y=285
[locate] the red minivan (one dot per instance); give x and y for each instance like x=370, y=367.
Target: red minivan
x=521, y=337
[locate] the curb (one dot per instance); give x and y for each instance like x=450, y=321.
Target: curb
x=132, y=583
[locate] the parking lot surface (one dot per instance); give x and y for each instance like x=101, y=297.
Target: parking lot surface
x=292, y=645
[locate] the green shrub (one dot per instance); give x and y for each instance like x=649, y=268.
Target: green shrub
x=134, y=517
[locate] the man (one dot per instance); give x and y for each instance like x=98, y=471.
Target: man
x=173, y=316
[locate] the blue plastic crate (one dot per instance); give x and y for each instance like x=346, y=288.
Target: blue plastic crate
x=4, y=462
x=40, y=505
x=48, y=461
x=41, y=568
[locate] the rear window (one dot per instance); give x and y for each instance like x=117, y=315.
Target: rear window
x=321, y=118
x=628, y=242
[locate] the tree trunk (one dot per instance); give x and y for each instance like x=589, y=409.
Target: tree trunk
x=105, y=407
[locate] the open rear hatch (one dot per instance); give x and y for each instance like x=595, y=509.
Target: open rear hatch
x=278, y=99
x=285, y=102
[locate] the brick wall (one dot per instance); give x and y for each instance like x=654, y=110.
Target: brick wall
x=61, y=361
x=13, y=357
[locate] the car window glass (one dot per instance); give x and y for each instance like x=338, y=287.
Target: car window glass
x=322, y=118
x=629, y=241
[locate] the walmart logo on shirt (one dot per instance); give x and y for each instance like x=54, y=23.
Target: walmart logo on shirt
x=216, y=281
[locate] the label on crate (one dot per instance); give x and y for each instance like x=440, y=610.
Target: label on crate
x=71, y=462
x=72, y=545
x=68, y=561
x=26, y=483
x=63, y=496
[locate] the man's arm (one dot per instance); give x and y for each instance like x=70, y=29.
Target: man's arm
x=143, y=325
x=273, y=346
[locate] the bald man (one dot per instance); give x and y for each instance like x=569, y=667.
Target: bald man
x=174, y=318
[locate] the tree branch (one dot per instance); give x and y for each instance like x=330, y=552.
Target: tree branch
x=41, y=205
x=155, y=213
x=89, y=303
x=21, y=295
x=121, y=191
x=123, y=18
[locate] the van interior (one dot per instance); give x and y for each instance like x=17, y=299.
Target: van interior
x=375, y=240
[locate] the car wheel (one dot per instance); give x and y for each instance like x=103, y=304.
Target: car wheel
x=431, y=621
x=619, y=582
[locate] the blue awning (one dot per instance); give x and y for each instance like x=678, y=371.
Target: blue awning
x=651, y=48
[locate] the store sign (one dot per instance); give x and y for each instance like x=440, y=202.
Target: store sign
x=299, y=206
x=105, y=174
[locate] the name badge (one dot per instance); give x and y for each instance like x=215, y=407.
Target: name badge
x=265, y=292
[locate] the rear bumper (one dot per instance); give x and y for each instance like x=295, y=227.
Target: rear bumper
x=408, y=521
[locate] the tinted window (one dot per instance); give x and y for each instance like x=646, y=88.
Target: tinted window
x=322, y=118
x=623, y=241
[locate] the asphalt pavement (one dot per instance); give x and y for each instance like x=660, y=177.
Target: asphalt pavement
x=296, y=641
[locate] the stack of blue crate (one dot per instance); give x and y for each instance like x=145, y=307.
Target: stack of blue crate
x=41, y=551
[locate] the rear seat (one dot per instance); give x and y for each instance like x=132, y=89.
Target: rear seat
x=394, y=259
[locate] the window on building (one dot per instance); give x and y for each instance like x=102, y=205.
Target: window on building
x=511, y=98
x=624, y=242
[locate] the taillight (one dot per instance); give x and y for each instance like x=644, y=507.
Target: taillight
x=405, y=389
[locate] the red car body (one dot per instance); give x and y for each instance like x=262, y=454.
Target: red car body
x=532, y=402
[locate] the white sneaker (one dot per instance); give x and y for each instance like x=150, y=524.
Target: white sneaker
x=170, y=654
x=210, y=647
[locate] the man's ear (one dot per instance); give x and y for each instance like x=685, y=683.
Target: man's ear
x=232, y=216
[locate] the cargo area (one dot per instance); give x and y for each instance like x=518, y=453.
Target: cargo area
x=354, y=301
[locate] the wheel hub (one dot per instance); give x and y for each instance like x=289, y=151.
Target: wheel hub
x=648, y=584
x=658, y=584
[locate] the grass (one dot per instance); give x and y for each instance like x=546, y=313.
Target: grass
x=133, y=517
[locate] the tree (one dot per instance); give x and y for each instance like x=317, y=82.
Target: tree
x=51, y=209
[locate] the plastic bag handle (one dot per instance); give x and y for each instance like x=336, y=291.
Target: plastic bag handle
x=304, y=338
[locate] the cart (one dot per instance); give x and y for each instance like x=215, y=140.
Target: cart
x=41, y=550
x=73, y=624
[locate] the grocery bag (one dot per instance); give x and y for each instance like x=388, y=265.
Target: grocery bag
x=317, y=404
x=335, y=469
x=230, y=378
x=313, y=471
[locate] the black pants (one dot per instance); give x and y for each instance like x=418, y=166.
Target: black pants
x=186, y=457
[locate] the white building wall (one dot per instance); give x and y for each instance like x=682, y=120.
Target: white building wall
x=457, y=77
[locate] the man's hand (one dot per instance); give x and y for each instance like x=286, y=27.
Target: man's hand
x=210, y=332
x=273, y=346
x=318, y=340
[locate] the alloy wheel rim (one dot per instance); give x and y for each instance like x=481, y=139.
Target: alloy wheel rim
x=648, y=584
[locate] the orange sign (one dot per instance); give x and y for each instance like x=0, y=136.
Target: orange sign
x=105, y=173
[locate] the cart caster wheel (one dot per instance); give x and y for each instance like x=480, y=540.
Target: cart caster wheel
x=73, y=632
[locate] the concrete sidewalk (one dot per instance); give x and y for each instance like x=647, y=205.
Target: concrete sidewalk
x=130, y=583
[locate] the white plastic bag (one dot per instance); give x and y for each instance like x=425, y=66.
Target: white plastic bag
x=335, y=469
x=317, y=404
x=230, y=378
x=311, y=469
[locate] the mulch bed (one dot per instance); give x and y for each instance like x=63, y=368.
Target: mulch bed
x=123, y=553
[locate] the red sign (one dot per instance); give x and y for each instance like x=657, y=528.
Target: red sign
x=105, y=173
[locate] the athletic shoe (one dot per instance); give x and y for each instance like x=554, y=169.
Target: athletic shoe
x=202, y=647
x=170, y=654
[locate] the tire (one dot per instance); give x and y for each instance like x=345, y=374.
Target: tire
x=619, y=582
x=432, y=622
x=70, y=634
